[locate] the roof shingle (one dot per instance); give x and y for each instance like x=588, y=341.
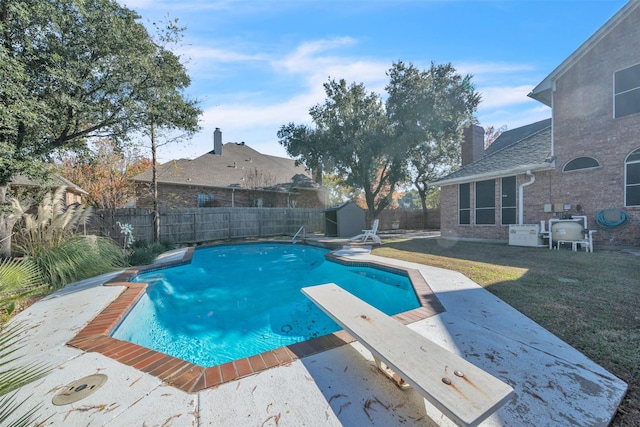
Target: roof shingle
x=532, y=153
x=239, y=166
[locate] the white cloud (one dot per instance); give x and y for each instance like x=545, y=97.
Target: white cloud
x=311, y=60
x=514, y=117
x=480, y=69
x=500, y=96
x=206, y=53
x=255, y=116
x=197, y=6
x=136, y=4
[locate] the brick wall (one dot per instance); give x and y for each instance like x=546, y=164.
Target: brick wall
x=186, y=196
x=583, y=126
x=545, y=190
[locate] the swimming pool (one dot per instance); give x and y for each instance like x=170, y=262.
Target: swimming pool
x=239, y=300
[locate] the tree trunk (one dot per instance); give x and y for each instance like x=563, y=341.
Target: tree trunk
x=7, y=221
x=422, y=191
x=154, y=183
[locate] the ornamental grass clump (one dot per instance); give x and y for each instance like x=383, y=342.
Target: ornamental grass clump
x=53, y=238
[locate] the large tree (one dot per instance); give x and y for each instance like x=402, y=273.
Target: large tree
x=428, y=111
x=165, y=113
x=71, y=70
x=351, y=137
x=104, y=172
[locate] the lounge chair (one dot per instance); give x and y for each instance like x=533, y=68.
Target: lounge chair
x=368, y=234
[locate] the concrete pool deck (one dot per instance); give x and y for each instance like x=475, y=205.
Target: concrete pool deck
x=554, y=383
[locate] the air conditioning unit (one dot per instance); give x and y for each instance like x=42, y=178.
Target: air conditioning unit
x=525, y=235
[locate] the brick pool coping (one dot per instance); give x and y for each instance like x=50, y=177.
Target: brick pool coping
x=191, y=378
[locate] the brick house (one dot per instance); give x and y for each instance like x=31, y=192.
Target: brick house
x=231, y=175
x=583, y=161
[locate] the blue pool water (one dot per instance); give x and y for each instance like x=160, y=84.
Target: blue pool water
x=236, y=301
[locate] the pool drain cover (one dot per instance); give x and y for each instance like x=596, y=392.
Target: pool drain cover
x=79, y=389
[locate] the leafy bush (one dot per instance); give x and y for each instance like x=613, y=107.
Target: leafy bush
x=142, y=253
x=140, y=256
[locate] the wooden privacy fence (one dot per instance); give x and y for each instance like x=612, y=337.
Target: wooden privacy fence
x=199, y=225
x=409, y=219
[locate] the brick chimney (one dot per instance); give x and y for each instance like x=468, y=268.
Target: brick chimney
x=217, y=142
x=473, y=144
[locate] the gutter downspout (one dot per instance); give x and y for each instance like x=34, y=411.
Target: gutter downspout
x=521, y=196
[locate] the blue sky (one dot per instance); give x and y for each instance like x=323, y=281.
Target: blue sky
x=256, y=65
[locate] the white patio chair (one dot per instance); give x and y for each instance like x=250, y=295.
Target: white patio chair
x=368, y=234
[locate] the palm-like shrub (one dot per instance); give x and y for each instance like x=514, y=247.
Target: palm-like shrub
x=18, y=278
x=51, y=238
x=15, y=375
x=78, y=257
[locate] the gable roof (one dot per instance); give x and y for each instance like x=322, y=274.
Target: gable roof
x=531, y=153
x=543, y=91
x=239, y=166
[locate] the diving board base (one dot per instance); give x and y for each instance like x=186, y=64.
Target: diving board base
x=463, y=392
x=390, y=373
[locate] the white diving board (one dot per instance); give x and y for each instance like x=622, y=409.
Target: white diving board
x=460, y=390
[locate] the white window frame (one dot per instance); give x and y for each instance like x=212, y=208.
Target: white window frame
x=564, y=168
x=626, y=164
x=626, y=91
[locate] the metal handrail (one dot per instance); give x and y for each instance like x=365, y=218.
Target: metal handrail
x=301, y=230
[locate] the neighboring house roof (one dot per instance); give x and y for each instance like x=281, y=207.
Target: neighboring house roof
x=530, y=153
x=239, y=166
x=54, y=180
x=543, y=91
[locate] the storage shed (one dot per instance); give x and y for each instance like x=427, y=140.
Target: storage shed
x=345, y=220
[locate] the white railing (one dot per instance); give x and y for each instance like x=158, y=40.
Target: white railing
x=295, y=236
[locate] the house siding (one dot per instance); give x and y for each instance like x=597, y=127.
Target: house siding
x=583, y=125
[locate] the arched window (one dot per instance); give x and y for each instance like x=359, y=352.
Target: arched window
x=632, y=179
x=580, y=163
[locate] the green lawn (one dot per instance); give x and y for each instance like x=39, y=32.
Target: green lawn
x=590, y=300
